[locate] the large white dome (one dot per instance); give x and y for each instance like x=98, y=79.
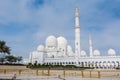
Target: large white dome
x=61, y=40
x=111, y=52
x=96, y=53
x=40, y=48
x=62, y=44
x=51, y=41
x=83, y=53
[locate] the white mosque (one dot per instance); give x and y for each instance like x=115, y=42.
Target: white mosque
x=57, y=51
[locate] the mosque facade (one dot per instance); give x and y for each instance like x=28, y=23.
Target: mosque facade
x=57, y=51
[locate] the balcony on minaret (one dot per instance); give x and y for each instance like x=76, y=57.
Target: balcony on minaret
x=77, y=27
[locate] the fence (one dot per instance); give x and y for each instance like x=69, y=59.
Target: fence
x=64, y=73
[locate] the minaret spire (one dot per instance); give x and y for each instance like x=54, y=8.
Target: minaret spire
x=90, y=46
x=77, y=17
x=77, y=32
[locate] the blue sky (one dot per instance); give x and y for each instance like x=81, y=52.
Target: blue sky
x=24, y=24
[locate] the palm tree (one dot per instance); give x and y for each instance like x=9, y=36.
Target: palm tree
x=4, y=48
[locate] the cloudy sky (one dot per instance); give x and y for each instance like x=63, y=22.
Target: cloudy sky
x=24, y=24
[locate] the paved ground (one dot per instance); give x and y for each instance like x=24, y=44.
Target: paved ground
x=29, y=74
x=27, y=77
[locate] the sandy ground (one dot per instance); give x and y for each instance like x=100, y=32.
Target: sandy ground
x=22, y=73
x=26, y=77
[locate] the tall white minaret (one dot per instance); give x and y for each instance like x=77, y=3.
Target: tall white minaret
x=77, y=33
x=90, y=46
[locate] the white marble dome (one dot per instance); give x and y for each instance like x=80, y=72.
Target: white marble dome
x=61, y=40
x=51, y=41
x=83, y=53
x=111, y=52
x=40, y=48
x=62, y=44
x=96, y=53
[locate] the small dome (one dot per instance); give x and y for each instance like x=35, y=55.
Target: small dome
x=62, y=41
x=51, y=41
x=83, y=53
x=96, y=53
x=111, y=52
x=40, y=48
